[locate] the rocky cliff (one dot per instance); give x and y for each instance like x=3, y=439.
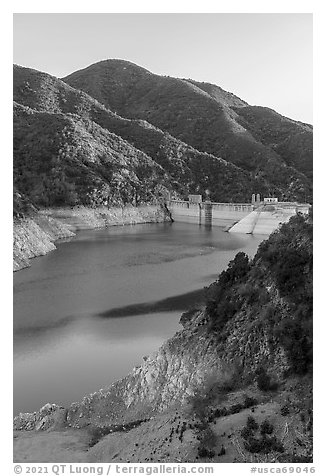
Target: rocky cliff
x=183, y=365
x=35, y=233
x=34, y=236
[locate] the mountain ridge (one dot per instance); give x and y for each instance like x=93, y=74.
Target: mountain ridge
x=192, y=115
x=84, y=164
x=187, y=168
x=234, y=384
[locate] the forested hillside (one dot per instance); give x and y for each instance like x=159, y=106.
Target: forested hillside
x=209, y=119
x=62, y=160
x=184, y=169
x=72, y=145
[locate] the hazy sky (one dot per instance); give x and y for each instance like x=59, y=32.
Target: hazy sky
x=266, y=59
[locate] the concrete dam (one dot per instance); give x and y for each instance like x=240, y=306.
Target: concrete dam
x=260, y=218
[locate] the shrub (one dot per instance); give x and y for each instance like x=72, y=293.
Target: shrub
x=222, y=451
x=265, y=444
x=252, y=424
x=249, y=402
x=246, y=433
x=219, y=412
x=205, y=452
x=285, y=410
x=222, y=300
x=264, y=381
x=253, y=445
x=266, y=428
x=235, y=408
x=296, y=337
x=207, y=439
x=288, y=257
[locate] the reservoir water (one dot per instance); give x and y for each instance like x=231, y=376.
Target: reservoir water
x=86, y=313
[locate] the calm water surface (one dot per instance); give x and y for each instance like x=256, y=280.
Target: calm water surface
x=86, y=314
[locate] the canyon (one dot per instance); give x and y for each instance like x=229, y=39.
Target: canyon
x=114, y=144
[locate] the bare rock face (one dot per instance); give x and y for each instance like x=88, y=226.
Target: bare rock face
x=186, y=364
x=81, y=217
x=34, y=236
x=47, y=417
x=169, y=376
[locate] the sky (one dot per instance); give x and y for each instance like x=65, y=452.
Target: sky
x=266, y=59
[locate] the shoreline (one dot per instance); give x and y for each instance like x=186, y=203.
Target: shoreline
x=35, y=235
x=162, y=362
x=196, y=296
x=167, y=406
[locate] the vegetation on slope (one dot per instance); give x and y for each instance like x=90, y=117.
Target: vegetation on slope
x=259, y=315
x=61, y=160
x=274, y=290
x=216, y=92
x=202, y=115
x=21, y=204
x=188, y=170
x=292, y=140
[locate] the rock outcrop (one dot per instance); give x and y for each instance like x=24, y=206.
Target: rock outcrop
x=34, y=235
x=78, y=218
x=185, y=364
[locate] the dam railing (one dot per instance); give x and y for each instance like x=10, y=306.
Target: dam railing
x=243, y=207
x=208, y=213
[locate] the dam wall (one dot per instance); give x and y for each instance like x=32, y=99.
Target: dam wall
x=208, y=213
x=256, y=218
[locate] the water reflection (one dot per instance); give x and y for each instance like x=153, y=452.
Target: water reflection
x=85, y=314
x=174, y=303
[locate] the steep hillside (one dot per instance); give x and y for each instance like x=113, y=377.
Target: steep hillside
x=200, y=114
x=222, y=97
x=60, y=159
x=21, y=204
x=187, y=170
x=249, y=348
x=275, y=291
x=34, y=235
x=36, y=231
x=292, y=140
